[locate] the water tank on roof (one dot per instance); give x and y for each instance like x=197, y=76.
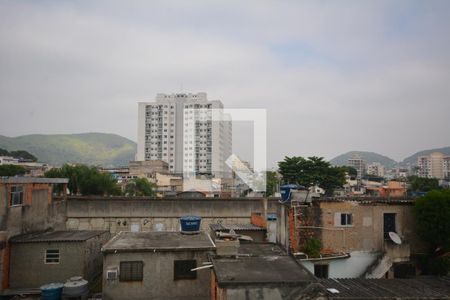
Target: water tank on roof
x=75, y=287
x=190, y=224
x=285, y=191
x=51, y=291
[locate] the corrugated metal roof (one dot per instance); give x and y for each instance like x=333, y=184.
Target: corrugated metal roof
x=57, y=236
x=228, y=227
x=417, y=288
x=18, y=180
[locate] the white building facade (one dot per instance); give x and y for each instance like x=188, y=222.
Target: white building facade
x=434, y=165
x=375, y=169
x=170, y=130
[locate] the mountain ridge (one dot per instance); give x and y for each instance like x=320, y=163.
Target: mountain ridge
x=93, y=148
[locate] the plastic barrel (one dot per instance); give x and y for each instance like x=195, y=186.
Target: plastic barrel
x=51, y=291
x=190, y=223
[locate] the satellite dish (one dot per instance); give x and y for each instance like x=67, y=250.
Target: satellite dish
x=395, y=238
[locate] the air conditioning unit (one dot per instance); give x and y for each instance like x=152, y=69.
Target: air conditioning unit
x=111, y=274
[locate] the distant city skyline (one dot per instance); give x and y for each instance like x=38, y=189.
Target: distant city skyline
x=334, y=76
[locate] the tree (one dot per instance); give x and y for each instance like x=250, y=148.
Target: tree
x=272, y=181
x=421, y=184
x=21, y=154
x=86, y=180
x=311, y=171
x=11, y=170
x=432, y=213
x=140, y=187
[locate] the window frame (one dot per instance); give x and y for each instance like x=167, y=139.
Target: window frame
x=184, y=267
x=56, y=252
x=343, y=219
x=131, y=277
x=13, y=194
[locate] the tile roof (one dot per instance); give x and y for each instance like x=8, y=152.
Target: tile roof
x=360, y=288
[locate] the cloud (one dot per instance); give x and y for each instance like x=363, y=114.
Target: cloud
x=333, y=76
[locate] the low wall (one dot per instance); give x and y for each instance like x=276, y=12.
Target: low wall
x=144, y=214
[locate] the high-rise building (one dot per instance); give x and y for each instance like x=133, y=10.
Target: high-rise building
x=375, y=169
x=359, y=164
x=179, y=129
x=434, y=165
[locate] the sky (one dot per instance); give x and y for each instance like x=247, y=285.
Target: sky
x=334, y=76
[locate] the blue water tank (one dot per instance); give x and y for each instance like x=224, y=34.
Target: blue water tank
x=190, y=223
x=51, y=291
x=285, y=190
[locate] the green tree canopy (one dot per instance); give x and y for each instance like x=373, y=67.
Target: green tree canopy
x=432, y=213
x=18, y=154
x=421, y=184
x=140, y=187
x=86, y=180
x=310, y=171
x=11, y=170
x=271, y=183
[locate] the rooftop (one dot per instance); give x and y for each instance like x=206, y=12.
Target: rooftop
x=57, y=236
x=228, y=227
x=21, y=180
x=260, y=249
x=280, y=270
x=158, y=241
x=359, y=288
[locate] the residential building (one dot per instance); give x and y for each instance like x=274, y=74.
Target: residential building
x=375, y=169
x=261, y=271
x=434, y=165
x=27, y=205
x=156, y=265
x=41, y=258
x=354, y=235
x=359, y=164
x=8, y=160
x=148, y=168
x=178, y=129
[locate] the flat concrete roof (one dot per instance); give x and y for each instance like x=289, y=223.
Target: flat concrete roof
x=21, y=180
x=57, y=236
x=126, y=241
x=280, y=270
x=260, y=249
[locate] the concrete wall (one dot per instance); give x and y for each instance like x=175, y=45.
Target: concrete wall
x=158, y=279
x=367, y=232
x=118, y=214
x=28, y=268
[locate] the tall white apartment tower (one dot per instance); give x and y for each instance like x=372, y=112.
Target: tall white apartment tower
x=163, y=134
x=434, y=165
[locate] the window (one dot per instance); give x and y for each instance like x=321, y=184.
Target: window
x=52, y=256
x=321, y=271
x=131, y=271
x=16, y=195
x=343, y=219
x=182, y=269
x=346, y=219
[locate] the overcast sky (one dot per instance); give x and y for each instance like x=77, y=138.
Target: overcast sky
x=333, y=75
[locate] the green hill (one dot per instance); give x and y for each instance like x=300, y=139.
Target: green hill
x=413, y=158
x=86, y=148
x=370, y=157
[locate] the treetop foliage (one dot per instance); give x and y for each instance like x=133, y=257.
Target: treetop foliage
x=432, y=213
x=310, y=171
